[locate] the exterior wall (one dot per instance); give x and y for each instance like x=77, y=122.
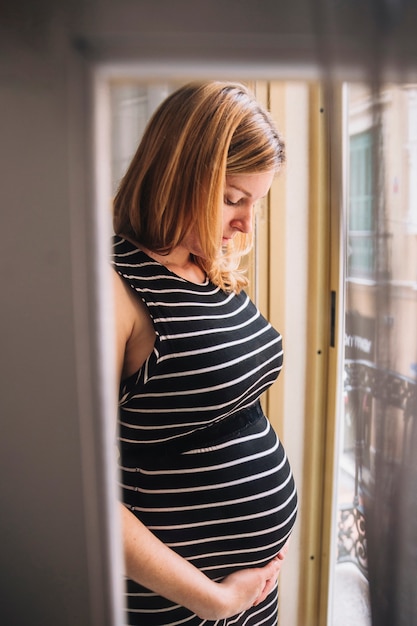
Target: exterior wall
x=401, y=240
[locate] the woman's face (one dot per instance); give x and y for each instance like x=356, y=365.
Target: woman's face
x=241, y=192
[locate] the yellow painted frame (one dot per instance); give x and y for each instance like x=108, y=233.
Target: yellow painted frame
x=323, y=351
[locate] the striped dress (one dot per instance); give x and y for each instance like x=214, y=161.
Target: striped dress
x=201, y=466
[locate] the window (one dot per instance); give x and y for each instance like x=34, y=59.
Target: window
x=361, y=235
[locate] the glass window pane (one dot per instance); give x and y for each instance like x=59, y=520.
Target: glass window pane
x=377, y=470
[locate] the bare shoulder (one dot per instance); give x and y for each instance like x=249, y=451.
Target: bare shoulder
x=135, y=335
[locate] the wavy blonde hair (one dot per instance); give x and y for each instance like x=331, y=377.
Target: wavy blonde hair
x=175, y=183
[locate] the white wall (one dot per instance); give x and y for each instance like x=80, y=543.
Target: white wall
x=296, y=309
x=54, y=551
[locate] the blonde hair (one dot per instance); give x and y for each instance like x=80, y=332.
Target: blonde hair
x=175, y=182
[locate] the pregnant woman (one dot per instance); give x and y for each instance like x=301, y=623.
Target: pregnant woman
x=209, y=500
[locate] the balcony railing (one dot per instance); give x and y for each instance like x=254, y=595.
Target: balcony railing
x=365, y=386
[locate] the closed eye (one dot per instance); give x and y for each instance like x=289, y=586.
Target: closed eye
x=231, y=203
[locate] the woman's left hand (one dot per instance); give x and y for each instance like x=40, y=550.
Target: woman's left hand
x=270, y=582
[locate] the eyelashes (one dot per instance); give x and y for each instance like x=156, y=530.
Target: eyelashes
x=231, y=203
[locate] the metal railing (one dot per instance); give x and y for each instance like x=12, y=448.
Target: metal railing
x=366, y=385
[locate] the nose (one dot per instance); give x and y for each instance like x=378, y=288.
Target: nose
x=243, y=221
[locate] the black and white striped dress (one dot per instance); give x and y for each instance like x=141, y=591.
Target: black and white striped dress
x=201, y=466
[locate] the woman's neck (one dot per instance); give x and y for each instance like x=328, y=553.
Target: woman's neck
x=179, y=260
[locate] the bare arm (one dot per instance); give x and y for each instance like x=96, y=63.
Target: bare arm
x=152, y=564
x=148, y=561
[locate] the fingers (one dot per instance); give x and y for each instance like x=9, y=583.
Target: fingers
x=250, y=587
x=276, y=563
x=282, y=553
x=284, y=548
x=269, y=585
x=271, y=571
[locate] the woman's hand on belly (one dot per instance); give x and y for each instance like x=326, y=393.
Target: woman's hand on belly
x=249, y=587
x=155, y=566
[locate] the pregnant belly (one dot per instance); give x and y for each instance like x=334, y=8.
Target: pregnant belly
x=223, y=507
